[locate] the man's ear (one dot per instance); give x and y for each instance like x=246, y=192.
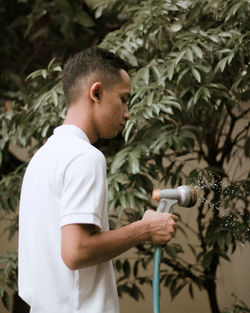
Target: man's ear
x=95, y=91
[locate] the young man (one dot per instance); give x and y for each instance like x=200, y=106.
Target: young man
x=65, y=245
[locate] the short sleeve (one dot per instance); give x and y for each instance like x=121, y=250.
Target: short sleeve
x=83, y=191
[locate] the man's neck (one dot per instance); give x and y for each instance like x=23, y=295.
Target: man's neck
x=82, y=119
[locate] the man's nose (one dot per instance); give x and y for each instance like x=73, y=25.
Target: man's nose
x=127, y=114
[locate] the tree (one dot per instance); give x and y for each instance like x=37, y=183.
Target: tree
x=189, y=65
x=190, y=93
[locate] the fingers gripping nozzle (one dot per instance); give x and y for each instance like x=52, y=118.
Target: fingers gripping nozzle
x=185, y=196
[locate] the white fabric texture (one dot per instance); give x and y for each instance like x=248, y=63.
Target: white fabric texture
x=65, y=183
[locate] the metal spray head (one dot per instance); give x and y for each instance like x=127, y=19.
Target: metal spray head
x=185, y=196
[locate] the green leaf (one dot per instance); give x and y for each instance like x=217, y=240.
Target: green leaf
x=119, y=160
x=150, y=98
x=45, y=131
x=129, y=126
x=51, y=63
x=6, y=300
x=84, y=19
x=140, y=195
x=122, y=199
x=234, y=9
x=214, y=38
x=185, y=90
x=207, y=259
x=168, y=279
x=170, y=71
x=180, y=78
x=179, y=57
x=171, y=251
x=44, y=74
x=206, y=93
x=205, y=69
x=196, y=74
x=130, y=57
x=197, y=51
x=177, y=288
x=145, y=75
x=230, y=58
x=156, y=73
x=170, y=101
x=134, y=162
x=222, y=64
x=189, y=55
x=156, y=108
x=57, y=69
x=55, y=98
x=165, y=108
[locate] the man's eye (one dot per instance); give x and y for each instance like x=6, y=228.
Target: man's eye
x=124, y=100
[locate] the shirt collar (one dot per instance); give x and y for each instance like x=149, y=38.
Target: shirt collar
x=69, y=128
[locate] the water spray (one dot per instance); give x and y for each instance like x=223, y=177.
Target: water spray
x=184, y=196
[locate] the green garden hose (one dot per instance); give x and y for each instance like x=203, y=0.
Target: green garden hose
x=156, y=279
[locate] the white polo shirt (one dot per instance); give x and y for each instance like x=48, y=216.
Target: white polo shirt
x=65, y=183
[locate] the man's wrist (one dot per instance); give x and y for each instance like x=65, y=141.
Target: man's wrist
x=142, y=231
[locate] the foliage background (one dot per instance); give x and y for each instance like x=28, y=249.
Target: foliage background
x=189, y=119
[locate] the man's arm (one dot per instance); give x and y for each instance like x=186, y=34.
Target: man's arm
x=83, y=246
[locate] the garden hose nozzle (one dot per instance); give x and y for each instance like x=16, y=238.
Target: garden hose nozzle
x=185, y=196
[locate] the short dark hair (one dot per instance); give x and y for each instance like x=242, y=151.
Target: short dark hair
x=94, y=63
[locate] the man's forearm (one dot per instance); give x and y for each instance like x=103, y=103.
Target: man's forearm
x=82, y=247
x=103, y=246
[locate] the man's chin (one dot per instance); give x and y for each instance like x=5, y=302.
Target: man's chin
x=111, y=136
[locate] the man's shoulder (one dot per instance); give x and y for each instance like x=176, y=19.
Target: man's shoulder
x=73, y=149
x=61, y=151
x=91, y=156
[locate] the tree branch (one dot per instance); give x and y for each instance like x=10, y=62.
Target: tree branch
x=228, y=144
x=220, y=131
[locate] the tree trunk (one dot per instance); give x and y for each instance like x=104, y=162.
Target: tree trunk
x=211, y=290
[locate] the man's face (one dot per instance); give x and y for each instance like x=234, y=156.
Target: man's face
x=113, y=111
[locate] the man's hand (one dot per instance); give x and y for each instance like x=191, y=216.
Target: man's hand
x=161, y=226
